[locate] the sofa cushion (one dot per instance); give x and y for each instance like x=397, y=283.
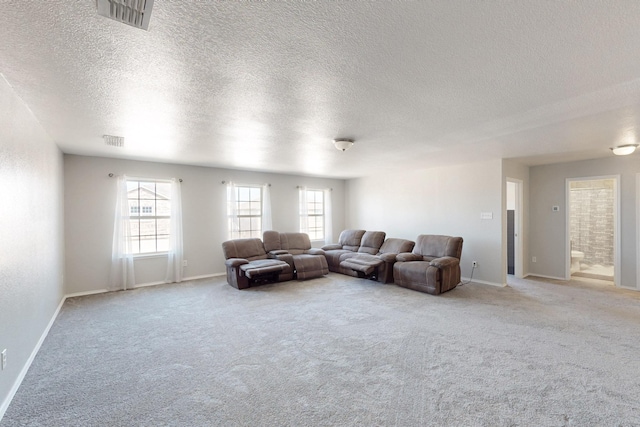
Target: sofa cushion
x=271, y=240
x=396, y=246
x=371, y=242
x=263, y=266
x=351, y=239
x=295, y=243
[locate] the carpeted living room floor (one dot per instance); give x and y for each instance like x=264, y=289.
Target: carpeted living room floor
x=339, y=351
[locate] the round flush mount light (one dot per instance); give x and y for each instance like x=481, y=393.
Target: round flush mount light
x=343, y=144
x=624, y=150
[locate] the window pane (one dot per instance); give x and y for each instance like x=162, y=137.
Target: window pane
x=163, y=243
x=245, y=224
x=148, y=227
x=147, y=190
x=256, y=224
x=134, y=208
x=163, y=190
x=244, y=208
x=132, y=189
x=147, y=244
x=163, y=208
x=135, y=245
x=243, y=193
x=255, y=194
x=256, y=208
x=163, y=226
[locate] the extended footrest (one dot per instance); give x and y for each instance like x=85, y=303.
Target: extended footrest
x=367, y=265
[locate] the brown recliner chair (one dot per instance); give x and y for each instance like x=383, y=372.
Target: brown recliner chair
x=380, y=265
x=433, y=266
x=248, y=264
x=296, y=250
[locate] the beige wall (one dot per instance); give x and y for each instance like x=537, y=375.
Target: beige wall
x=548, y=229
x=90, y=204
x=31, y=236
x=445, y=200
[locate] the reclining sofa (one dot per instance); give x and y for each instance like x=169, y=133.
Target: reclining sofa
x=351, y=243
x=432, y=267
x=295, y=249
x=248, y=264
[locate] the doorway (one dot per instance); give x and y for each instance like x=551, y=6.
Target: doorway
x=592, y=228
x=514, y=227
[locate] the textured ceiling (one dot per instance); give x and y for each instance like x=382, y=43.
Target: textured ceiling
x=267, y=85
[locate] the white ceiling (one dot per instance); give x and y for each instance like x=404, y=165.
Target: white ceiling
x=266, y=85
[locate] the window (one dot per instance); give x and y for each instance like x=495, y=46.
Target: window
x=312, y=214
x=150, y=209
x=245, y=211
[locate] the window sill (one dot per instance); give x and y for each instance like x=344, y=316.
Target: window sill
x=151, y=255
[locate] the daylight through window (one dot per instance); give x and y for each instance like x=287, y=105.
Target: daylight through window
x=150, y=215
x=245, y=211
x=315, y=214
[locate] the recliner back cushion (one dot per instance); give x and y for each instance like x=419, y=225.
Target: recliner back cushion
x=429, y=245
x=271, y=240
x=350, y=239
x=295, y=243
x=371, y=242
x=396, y=246
x=249, y=249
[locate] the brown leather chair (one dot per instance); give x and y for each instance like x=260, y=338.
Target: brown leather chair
x=296, y=250
x=380, y=265
x=432, y=267
x=247, y=264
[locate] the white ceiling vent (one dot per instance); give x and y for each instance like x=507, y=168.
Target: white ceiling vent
x=114, y=141
x=131, y=12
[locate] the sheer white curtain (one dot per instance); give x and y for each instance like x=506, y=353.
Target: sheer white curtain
x=267, y=220
x=232, y=210
x=122, y=274
x=176, y=251
x=304, y=210
x=328, y=217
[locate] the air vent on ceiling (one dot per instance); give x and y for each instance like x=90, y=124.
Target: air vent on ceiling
x=114, y=141
x=131, y=12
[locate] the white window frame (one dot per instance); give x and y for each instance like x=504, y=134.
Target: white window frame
x=136, y=240
x=239, y=232
x=318, y=234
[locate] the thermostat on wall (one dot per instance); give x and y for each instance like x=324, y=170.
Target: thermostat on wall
x=555, y=208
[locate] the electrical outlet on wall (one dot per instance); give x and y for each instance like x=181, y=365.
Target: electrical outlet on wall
x=533, y=259
x=185, y=263
x=475, y=263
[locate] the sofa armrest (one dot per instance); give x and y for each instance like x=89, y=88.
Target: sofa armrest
x=274, y=254
x=315, y=251
x=445, y=262
x=331, y=247
x=388, y=257
x=409, y=256
x=235, y=262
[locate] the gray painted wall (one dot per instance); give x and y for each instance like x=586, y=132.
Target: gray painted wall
x=31, y=230
x=446, y=201
x=90, y=203
x=548, y=229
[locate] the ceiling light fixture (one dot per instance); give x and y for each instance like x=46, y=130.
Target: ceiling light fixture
x=343, y=144
x=131, y=12
x=624, y=150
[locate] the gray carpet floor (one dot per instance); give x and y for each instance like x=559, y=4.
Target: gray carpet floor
x=339, y=351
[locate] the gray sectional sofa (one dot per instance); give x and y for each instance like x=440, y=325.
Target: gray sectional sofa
x=431, y=264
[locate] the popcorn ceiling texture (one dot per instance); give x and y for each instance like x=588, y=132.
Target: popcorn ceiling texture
x=267, y=85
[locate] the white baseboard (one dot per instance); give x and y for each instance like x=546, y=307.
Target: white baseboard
x=82, y=294
x=546, y=277
x=205, y=276
x=5, y=405
x=483, y=282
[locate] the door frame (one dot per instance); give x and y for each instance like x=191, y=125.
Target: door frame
x=518, y=215
x=616, y=223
